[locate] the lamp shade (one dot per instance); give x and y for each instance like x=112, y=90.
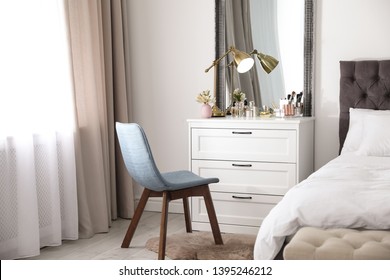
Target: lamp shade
x=243, y=60
x=267, y=62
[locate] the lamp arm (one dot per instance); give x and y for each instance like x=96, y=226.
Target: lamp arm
x=217, y=61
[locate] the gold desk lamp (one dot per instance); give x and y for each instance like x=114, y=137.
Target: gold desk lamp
x=244, y=63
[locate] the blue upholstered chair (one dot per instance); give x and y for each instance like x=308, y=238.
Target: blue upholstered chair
x=140, y=164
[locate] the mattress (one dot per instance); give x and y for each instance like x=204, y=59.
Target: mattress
x=350, y=191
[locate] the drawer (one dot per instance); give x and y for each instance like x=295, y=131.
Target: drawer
x=235, y=209
x=248, y=177
x=244, y=145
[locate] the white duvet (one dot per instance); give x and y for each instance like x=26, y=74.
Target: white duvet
x=350, y=191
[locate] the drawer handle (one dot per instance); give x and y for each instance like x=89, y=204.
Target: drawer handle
x=241, y=165
x=242, y=132
x=241, y=197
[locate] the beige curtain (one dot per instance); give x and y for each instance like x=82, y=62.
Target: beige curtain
x=98, y=43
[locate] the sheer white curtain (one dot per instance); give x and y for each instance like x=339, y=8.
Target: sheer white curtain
x=38, y=201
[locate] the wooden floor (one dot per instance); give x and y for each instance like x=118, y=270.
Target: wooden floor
x=107, y=246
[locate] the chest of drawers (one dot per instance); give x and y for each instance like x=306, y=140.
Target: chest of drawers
x=257, y=160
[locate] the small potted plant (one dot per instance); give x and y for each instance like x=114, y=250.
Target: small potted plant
x=238, y=103
x=205, y=98
x=238, y=96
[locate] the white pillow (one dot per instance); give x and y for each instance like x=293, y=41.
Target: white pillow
x=376, y=136
x=355, y=130
x=356, y=127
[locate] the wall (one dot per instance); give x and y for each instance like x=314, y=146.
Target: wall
x=345, y=30
x=172, y=42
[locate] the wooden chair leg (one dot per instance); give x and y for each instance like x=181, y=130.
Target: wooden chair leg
x=163, y=226
x=212, y=217
x=136, y=218
x=187, y=214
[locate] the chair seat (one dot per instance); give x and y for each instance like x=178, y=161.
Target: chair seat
x=184, y=179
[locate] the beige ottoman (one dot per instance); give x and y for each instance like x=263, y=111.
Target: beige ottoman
x=338, y=244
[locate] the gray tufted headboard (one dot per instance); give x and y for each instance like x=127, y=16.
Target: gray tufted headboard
x=363, y=84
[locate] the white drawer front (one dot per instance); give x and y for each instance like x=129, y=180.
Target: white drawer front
x=235, y=209
x=246, y=145
x=248, y=177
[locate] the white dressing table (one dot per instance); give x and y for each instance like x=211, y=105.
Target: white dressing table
x=256, y=159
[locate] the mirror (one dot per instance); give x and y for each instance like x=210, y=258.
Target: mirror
x=271, y=18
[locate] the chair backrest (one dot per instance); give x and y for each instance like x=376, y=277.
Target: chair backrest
x=138, y=157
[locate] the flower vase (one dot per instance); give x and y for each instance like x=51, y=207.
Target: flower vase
x=206, y=111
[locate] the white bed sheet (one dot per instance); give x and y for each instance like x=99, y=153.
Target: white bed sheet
x=349, y=192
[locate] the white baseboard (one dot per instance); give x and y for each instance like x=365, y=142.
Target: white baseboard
x=154, y=204
x=200, y=226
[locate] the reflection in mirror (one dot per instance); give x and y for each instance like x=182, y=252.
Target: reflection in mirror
x=273, y=27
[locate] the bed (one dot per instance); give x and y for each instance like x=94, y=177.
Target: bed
x=347, y=200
